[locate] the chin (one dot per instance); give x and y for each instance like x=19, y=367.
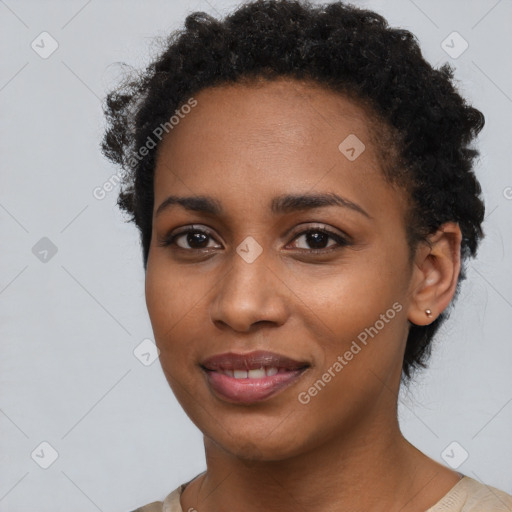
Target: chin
x=259, y=446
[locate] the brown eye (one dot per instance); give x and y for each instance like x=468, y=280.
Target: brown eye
x=318, y=240
x=189, y=240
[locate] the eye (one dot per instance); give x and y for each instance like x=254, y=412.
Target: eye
x=189, y=239
x=195, y=239
x=317, y=238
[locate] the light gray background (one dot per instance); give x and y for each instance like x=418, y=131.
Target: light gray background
x=68, y=375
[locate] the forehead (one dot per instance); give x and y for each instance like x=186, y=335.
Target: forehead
x=259, y=138
x=295, y=111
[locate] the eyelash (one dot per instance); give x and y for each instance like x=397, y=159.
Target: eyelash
x=342, y=241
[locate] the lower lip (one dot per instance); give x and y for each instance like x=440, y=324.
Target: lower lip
x=251, y=390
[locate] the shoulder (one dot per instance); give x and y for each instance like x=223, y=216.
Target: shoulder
x=469, y=495
x=155, y=506
x=170, y=504
x=485, y=498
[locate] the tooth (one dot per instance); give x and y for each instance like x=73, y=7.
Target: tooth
x=256, y=374
x=271, y=371
x=240, y=374
x=229, y=373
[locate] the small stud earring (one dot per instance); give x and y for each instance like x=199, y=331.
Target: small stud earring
x=428, y=312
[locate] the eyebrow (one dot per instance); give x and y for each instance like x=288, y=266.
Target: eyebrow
x=283, y=204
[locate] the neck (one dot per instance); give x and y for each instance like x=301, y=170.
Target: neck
x=362, y=470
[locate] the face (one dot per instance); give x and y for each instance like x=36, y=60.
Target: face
x=324, y=283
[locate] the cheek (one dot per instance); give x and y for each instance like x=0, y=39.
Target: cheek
x=360, y=338
x=354, y=311
x=171, y=294
x=174, y=303
x=342, y=300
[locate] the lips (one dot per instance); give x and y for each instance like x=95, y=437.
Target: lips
x=252, y=377
x=251, y=361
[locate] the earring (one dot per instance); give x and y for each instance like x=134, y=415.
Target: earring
x=428, y=312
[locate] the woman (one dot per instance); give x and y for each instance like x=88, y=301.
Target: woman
x=303, y=185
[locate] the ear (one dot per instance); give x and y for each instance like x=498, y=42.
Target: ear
x=435, y=274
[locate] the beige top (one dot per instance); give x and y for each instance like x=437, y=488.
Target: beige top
x=467, y=495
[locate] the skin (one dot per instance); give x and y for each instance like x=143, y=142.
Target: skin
x=244, y=145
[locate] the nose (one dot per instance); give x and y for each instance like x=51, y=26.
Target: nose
x=249, y=294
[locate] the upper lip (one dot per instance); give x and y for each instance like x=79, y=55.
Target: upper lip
x=251, y=361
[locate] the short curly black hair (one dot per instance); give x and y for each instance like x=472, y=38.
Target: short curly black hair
x=341, y=47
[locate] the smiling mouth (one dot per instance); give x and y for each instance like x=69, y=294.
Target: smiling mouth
x=252, y=377
x=247, y=390
x=258, y=373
